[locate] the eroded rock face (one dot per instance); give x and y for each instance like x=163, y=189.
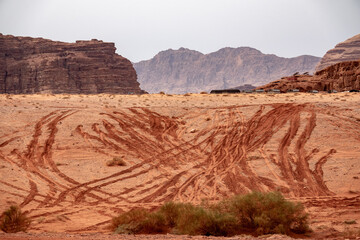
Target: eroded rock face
x=348, y=50
x=340, y=77
x=36, y=65
x=184, y=70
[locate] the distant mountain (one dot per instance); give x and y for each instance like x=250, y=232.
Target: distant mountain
x=348, y=50
x=184, y=70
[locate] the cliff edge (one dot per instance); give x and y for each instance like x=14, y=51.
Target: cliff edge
x=37, y=65
x=348, y=50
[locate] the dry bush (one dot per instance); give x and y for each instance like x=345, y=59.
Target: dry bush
x=256, y=213
x=116, y=161
x=162, y=93
x=350, y=222
x=195, y=220
x=177, y=218
x=129, y=222
x=265, y=213
x=13, y=220
x=203, y=93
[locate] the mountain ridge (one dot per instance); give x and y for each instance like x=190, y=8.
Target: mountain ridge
x=185, y=70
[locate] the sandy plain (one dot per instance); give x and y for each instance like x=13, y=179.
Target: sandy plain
x=54, y=150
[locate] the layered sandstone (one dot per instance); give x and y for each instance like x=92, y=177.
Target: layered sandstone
x=348, y=50
x=184, y=70
x=36, y=65
x=342, y=76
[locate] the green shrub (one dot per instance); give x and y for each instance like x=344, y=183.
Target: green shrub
x=256, y=213
x=171, y=212
x=184, y=218
x=267, y=213
x=13, y=220
x=199, y=221
x=139, y=221
x=129, y=222
x=154, y=223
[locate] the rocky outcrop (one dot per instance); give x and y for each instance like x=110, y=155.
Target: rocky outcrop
x=343, y=52
x=340, y=77
x=184, y=70
x=36, y=65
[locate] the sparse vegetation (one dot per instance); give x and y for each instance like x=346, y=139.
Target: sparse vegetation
x=255, y=213
x=116, y=161
x=350, y=222
x=13, y=220
x=266, y=213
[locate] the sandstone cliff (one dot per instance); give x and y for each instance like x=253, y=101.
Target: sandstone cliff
x=345, y=51
x=184, y=70
x=36, y=65
x=340, y=77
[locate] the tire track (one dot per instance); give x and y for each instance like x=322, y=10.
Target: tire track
x=169, y=163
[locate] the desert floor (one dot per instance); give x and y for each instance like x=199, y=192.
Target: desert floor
x=54, y=151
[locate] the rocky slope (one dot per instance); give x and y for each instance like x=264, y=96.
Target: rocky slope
x=184, y=70
x=36, y=65
x=345, y=51
x=340, y=77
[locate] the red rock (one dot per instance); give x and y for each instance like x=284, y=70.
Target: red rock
x=348, y=50
x=36, y=65
x=340, y=77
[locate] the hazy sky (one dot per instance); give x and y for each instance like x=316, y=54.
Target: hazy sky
x=142, y=28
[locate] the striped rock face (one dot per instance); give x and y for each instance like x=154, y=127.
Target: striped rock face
x=343, y=52
x=36, y=65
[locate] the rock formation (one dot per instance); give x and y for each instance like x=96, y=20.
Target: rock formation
x=36, y=65
x=345, y=51
x=340, y=77
x=184, y=70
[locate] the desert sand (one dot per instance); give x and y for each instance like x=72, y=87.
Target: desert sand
x=54, y=150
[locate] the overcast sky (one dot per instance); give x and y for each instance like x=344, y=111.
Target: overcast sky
x=142, y=28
